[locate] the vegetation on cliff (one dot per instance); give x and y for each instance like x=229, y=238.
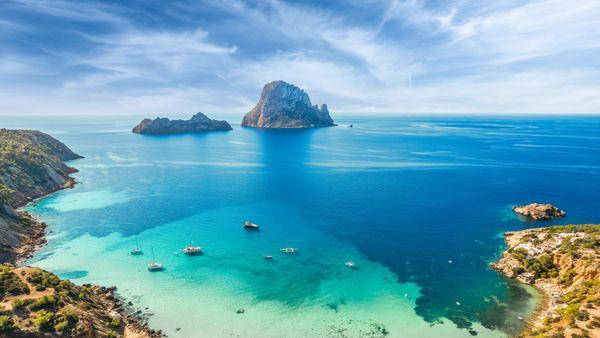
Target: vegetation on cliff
x=563, y=262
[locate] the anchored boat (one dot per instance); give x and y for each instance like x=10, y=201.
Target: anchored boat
x=288, y=250
x=154, y=265
x=136, y=251
x=192, y=250
x=249, y=225
x=350, y=264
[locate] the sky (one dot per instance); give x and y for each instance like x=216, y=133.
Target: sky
x=153, y=57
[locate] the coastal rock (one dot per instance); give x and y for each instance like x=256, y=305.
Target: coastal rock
x=198, y=123
x=563, y=263
x=283, y=105
x=539, y=211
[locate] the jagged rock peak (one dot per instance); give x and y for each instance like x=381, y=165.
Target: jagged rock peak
x=283, y=105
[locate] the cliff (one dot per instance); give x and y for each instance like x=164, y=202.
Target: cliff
x=283, y=105
x=31, y=166
x=563, y=262
x=197, y=124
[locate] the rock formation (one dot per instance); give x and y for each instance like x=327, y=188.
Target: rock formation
x=539, y=211
x=283, y=105
x=198, y=123
x=563, y=262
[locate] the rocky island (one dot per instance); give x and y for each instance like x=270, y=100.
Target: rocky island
x=197, y=124
x=563, y=262
x=537, y=211
x=283, y=105
x=34, y=302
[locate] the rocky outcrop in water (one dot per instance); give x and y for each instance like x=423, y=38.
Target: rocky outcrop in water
x=539, y=211
x=197, y=124
x=283, y=105
x=563, y=262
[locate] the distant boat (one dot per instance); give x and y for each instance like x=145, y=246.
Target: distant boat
x=136, y=251
x=250, y=225
x=267, y=257
x=350, y=264
x=192, y=250
x=154, y=266
x=288, y=250
x=351, y=126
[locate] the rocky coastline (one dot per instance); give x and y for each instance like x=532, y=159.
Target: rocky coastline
x=563, y=263
x=36, y=303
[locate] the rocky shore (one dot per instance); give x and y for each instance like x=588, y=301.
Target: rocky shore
x=563, y=263
x=34, y=302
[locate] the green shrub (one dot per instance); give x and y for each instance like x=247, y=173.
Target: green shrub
x=10, y=284
x=46, y=302
x=6, y=323
x=39, y=277
x=44, y=320
x=114, y=322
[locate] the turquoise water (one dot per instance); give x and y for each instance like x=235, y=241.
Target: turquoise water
x=418, y=203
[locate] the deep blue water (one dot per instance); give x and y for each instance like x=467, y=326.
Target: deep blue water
x=411, y=193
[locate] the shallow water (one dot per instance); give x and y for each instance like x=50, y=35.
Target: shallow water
x=419, y=203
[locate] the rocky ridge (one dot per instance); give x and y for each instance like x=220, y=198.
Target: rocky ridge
x=283, y=105
x=563, y=262
x=196, y=124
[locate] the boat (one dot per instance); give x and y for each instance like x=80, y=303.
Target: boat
x=154, y=266
x=288, y=250
x=136, y=251
x=250, y=225
x=268, y=257
x=350, y=264
x=192, y=250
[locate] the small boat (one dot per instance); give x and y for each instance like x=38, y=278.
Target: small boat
x=250, y=225
x=192, y=250
x=268, y=257
x=154, y=266
x=288, y=250
x=519, y=318
x=136, y=251
x=350, y=264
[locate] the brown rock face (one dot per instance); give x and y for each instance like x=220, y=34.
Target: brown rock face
x=539, y=211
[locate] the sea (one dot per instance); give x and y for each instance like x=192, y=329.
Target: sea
x=418, y=203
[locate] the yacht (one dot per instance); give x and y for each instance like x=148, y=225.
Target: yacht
x=192, y=250
x=288, y=250
x=268, y=257
x=136, y=251
x=154, y=266
x=250, y=225
x=350, y=264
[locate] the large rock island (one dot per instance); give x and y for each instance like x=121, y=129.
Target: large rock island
x=198, y=123
x=283, y=105
x=563, y=262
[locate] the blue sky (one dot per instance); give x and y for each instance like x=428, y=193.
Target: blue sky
x=371, y=56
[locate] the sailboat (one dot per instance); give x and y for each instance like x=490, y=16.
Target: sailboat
x=154, y=266
x=192, y=250
x=136, y=251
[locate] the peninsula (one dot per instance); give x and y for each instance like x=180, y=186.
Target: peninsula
x=563, y=262
x=34, y=302
x=283, y=105
x=196, y=124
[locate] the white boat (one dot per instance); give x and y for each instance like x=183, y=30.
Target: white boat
x=154, y=266
x=192, y=250
x=350, y=264
x=250, y=225
x=136, y=251
x=267, y=257
x=288, y=250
